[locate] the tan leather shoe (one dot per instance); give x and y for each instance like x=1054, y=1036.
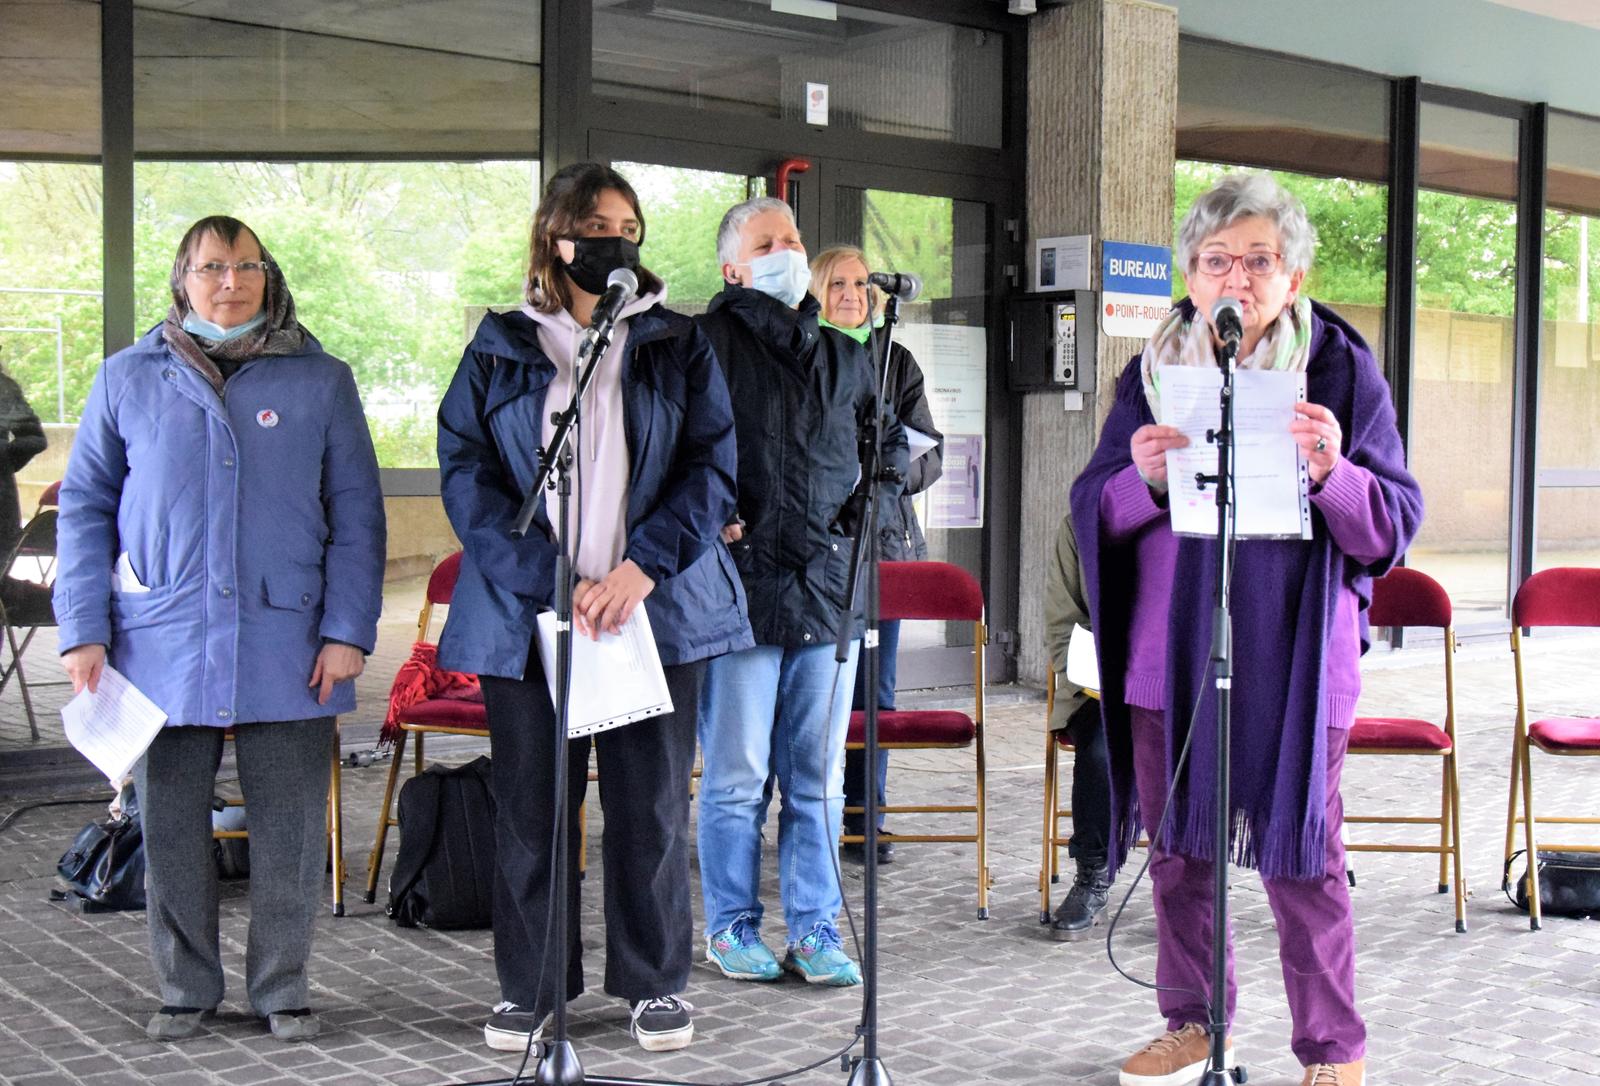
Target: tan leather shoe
x=1336, y=1074
x=1175, y=1058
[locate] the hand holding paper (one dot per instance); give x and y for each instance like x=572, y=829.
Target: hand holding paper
x=113, y=726
x=1271, y=484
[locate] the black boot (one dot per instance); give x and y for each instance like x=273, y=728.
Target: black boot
x=1085, y=902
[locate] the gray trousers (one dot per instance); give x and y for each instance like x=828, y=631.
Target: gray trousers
x=284, y=768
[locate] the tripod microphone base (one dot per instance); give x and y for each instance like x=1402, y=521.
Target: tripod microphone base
x=559, y=1066
x=1228, y=1077
x=869, y=1073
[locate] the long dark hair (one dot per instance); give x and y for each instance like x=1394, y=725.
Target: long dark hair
x=571, y=196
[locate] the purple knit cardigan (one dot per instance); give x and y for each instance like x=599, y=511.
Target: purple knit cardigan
x=1283, y=608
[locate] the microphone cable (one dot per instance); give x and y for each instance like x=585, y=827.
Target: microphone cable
x=1166, y=813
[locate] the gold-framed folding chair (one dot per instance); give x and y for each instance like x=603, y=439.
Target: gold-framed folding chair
x=335, y=814
x=1056, y=743
x=440, y=716
x=1563, y=596
x=937, y=591
x=1408, y=597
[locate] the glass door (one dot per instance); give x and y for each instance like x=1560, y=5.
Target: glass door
x=938, y=226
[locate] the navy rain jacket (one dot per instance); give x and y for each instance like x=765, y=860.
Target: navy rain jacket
x=680, y=492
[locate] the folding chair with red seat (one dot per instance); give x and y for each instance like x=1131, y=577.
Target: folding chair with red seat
x=1564, y=596
x=1408, y=597
x=441, y=714
x=936, y=591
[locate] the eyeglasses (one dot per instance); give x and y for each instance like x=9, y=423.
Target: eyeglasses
x=1257, y=263
x=216, y=269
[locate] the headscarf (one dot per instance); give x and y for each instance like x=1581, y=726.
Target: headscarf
x=280, y=334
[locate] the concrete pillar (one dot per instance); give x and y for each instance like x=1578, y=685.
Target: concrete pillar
x=1102, y=125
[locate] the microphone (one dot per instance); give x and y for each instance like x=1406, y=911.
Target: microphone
x=621, y=286
x=1228, y=318
x=903, y=284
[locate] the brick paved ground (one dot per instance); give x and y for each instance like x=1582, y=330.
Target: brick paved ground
x=963, y=1000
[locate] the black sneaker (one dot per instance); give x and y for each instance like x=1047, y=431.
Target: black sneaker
x=856, y=852
x=512, y=1029
x=662, y=1024
x=1085, y=902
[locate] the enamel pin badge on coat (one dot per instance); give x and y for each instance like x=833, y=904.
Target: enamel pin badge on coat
x=267, y=418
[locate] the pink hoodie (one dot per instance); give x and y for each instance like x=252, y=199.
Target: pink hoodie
x=599, y=506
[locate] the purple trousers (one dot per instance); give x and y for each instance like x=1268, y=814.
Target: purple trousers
x=1316, y=930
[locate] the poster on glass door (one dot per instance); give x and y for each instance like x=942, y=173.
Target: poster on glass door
x=954, y=362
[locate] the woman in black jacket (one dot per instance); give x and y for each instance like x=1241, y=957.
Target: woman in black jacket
x=839, y=281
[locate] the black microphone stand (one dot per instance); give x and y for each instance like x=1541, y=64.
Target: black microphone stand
x=1217, y=1073
x=558, y=1064
x=868, y=1069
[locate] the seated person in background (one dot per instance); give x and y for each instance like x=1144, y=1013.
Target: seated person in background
x=26, y=603
x=1075, y=711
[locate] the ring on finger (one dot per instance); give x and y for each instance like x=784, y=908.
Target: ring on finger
x=1321, y=445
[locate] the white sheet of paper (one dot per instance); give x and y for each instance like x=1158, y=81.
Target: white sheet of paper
x=1272, y=486
x=921, y=444
x=1083, y=662
x=615, y=681
x=113, y=726
x=127, y=579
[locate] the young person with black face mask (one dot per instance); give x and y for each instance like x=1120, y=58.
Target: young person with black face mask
x=653, y=484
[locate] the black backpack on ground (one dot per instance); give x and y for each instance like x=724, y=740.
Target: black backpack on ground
x=444, y=874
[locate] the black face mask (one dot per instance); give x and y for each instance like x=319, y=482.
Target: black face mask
x=594, y=259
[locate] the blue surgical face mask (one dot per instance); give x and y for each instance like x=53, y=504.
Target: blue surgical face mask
x=783, y=275
x=197, y=325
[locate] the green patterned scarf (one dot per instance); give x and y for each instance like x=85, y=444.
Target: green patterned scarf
x=1184, y=339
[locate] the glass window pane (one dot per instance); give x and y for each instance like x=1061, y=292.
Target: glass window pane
x=945, y=242
x=888, y=73
x=1460, y=442
x=391, y=264
x=49, y=77
x=1257, y=109
x=291, y=77
x=682, y=209
x=1568, y=527
x=50, y=281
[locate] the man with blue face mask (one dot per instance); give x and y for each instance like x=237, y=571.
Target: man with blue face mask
x=802, y=397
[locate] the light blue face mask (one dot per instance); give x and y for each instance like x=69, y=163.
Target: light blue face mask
x=783, y=275
x=198, y=326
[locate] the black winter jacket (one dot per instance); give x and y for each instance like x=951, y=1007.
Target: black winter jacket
x=802, y=396
x=900, y=537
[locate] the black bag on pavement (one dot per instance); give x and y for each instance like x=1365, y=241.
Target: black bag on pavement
x=104, y=868
x=444, y=873
x=1569, y=883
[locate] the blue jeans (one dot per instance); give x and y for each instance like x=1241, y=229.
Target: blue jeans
x=855, y=761
x=767, y=709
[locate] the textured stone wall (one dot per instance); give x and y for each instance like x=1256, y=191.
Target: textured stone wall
x=1102, y=130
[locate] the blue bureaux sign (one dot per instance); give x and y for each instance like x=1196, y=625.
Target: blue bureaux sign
x=1136, y=288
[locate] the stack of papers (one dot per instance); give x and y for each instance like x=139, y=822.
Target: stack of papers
x=615, y=680
x=113, y=726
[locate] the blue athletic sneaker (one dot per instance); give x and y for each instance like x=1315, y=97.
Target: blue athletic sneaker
x=741, y=955
x=820, y=959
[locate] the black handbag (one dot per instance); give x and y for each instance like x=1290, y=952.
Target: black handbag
x=104, y=869
x=1569, y=883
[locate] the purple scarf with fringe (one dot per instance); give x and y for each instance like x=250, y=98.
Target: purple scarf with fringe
x=1284, y=596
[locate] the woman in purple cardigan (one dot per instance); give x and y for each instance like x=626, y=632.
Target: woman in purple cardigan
x=1299, y=630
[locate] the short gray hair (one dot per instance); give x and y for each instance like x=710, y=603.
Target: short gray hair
x=1244, y=195
x=733, y=222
